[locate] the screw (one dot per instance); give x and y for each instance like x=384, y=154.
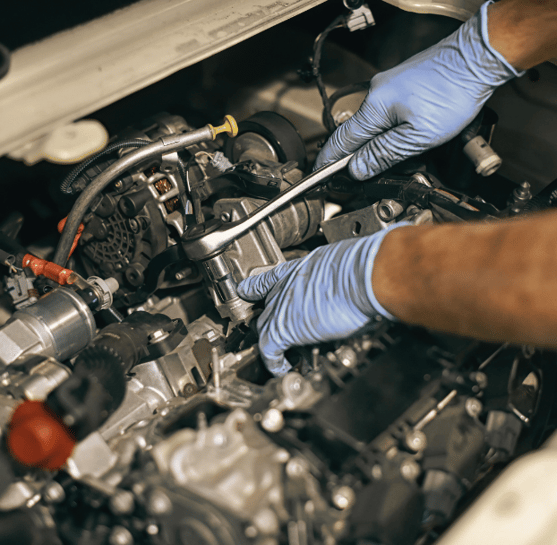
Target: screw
x=118, y=185
x=343, y=497
x=473, y=407
x=415, y=440
x=272, y=421
x=179, y=275
x=225, y=216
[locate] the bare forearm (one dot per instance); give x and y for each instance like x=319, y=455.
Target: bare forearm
x=524, y=31
x=492, y=281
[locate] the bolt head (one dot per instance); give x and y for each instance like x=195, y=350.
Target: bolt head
x=410, y=469
x=272, y=421
x=343, y=497
x=473, y=407
x=415, y=440
x=159, y=503
x=122, y=503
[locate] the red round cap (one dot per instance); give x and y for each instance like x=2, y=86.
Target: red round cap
x=38, y=438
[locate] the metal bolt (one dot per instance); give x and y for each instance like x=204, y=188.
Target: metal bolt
x=388, y=209
x=122, y=503
x=120, y=536
x=410, y=469
x=159, y=503
x=377, y=472
x=415, y=440
x=522, y=193
x=347, y=356
x=225, y=216
x=295, y=468
x=479, y=378
x=343, y=497
x=473, y=407
x=152, y=529
x=119, y=184
x=179, y=275
x=54, y=493
x=189, y=389
x=272, y=421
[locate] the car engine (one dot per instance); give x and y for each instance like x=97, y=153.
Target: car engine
x=134, y=406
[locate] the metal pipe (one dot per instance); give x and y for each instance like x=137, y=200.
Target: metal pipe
x=207, y=240
x=163, y=146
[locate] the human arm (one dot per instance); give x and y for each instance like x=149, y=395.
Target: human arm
x=493, y=281
x=431, y=97
x=524, y=31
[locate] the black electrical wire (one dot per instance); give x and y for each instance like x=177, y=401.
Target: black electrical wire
x=328, y=120
x=405, y=189
x=66, y=185
x=196, y=201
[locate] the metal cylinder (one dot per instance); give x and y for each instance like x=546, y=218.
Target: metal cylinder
x=296, y=222
x=58, y=325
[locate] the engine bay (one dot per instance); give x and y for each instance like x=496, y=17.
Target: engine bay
x=134, y=406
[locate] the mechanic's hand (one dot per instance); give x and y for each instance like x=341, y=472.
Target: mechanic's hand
x=324, y=296
x=422, y=103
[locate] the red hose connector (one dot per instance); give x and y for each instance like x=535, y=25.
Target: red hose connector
x=41, y=267
x=61, y=225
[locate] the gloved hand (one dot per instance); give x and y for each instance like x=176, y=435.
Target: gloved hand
x=422, y=103
x=323, y=296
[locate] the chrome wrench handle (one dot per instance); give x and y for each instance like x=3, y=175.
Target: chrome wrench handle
x=206, y=240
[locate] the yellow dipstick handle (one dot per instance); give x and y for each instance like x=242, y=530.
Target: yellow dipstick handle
x=230, y=127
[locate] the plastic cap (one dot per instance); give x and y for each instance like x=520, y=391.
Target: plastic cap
x=37, y=438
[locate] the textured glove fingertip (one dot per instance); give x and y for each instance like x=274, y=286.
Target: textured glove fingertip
x=278, y=367
x=362, y=168
x=248, y=289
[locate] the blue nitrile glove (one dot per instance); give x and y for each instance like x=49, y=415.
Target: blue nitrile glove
x=421, y=103
x=324, y=296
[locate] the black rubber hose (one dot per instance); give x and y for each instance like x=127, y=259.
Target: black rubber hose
x=67, y=182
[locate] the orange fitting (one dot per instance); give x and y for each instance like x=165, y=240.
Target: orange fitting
x=41, y=267
x=37, y=437
x=61, y=225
